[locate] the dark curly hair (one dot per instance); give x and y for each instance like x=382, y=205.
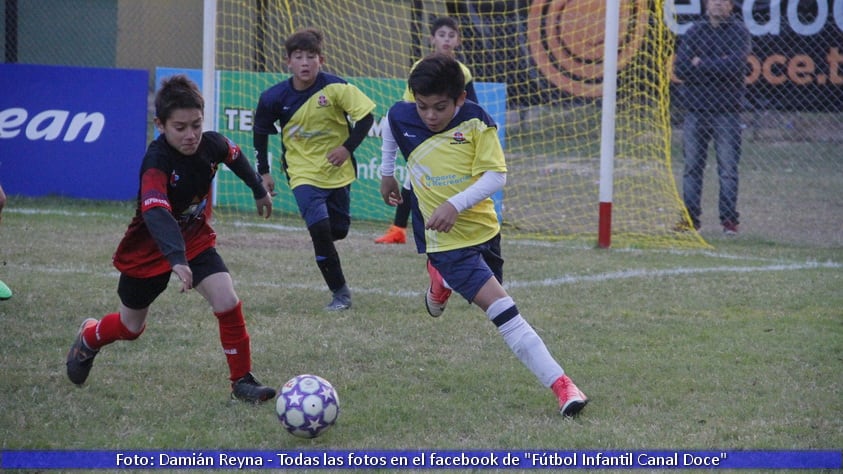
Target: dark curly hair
x=177, y=92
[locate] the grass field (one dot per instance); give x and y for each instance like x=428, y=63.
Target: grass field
x=739, y=347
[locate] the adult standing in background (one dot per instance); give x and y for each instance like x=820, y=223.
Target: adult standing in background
x=711, y=63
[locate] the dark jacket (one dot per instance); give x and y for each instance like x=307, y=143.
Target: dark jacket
x=717, y=83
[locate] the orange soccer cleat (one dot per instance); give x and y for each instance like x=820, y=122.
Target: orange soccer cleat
x=395, y=235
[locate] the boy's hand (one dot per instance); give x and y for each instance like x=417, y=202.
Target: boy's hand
x=185, y=275
x=443, y=218
x=269, y=184
x=390, y=191
x=264, y=206
x=338, y=156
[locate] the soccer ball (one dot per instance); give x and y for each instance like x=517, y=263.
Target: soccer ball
x=307, y=406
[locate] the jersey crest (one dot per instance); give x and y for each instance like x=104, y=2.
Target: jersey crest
x=174, y=178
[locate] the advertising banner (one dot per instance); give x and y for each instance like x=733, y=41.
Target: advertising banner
x=70, y=131
x=237, y=95
x=796, y=61
x=797, y=51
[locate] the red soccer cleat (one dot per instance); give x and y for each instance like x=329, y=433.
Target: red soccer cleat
x=571, y=398
x=437, y=294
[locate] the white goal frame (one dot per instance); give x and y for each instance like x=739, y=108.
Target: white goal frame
x=607, y=132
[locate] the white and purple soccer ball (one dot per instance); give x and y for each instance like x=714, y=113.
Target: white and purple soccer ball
x=307, y=406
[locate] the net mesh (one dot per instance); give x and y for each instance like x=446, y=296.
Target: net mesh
x=538, y=69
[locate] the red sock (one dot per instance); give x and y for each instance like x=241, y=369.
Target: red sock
x=107, y=330
x=235, y=341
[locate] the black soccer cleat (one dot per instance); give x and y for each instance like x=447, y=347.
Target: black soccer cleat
x=248, y=389
x=80, y=359
x=341, y=300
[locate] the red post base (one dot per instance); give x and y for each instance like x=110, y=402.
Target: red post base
x=604, y=230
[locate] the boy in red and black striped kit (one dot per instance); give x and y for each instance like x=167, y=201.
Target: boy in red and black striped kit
x=170, y=233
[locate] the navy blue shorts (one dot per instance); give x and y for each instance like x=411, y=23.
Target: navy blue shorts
x=466, y=270
x=138, y=293
x=316, y=204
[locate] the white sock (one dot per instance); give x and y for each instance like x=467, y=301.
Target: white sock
x=526, y=344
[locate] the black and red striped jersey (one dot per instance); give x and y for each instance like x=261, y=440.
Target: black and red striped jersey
x=181, y=185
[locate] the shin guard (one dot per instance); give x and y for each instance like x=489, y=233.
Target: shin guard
x=107, y=330
x=235, y=341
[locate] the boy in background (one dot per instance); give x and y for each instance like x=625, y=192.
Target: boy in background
x=317, y=146
x=446, y=39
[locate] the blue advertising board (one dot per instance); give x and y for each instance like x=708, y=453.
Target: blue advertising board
x=70, y=131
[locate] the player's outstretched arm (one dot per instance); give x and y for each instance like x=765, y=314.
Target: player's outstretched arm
x=390, y=192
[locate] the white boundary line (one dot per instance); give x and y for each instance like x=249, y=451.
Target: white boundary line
x=649, y=273
x=544, y=283
x=287, y=228
x=775, y=266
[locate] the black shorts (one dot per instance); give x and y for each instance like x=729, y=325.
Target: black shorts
x=138, y=293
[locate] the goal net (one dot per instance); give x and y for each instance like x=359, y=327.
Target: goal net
x=538, y=70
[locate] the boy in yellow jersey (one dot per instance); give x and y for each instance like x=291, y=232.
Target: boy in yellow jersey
x=455, y=162
x=312, y=109
x=445, y=39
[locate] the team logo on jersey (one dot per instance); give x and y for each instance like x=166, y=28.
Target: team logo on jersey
x=322, y=100
x=174, y=179
x=459, y=139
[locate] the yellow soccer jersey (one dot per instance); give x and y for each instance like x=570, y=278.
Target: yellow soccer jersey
x=443, y=164
x=312, y=123
x=408, y=94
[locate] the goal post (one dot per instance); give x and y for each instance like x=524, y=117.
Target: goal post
x=607, y=124
x=584, y=163
x=209, y=63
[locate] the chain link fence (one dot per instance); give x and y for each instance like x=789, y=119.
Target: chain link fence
x=792, y=164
